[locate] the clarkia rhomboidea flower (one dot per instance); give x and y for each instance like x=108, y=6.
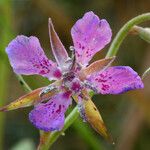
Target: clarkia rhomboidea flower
x=74, y=77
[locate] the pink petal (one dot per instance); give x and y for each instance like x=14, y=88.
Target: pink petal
x=116, y=80
x=27, y=57
x=90, y=35
x=50, y=116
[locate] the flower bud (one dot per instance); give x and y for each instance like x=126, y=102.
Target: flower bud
x=143, y=33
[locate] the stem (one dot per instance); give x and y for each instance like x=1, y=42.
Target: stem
x=23, y=83
x=123, y=33
x=85, y=132
x=146, y=72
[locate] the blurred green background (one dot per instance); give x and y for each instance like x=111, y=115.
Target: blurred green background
x=127, y=116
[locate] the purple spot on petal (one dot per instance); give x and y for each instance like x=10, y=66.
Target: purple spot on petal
x=59, y=109
x=50, y=116
x=67, y=94
x=105, y=87
x=57, y=74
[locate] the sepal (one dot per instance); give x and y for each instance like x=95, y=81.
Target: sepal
x=58, y=48
x=28, y=100
x=95, y=67
x=90, y=113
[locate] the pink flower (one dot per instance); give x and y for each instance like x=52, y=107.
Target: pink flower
x=75, y=77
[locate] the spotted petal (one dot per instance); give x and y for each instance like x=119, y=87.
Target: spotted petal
x=116, y=80
x=90, y=35
x=50, y=116
x=27, y=57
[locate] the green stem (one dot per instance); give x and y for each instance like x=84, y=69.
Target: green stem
x=85, y=132
x=123, y=33
x=24, y=84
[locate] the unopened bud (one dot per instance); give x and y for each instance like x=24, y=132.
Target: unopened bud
x=143, y=33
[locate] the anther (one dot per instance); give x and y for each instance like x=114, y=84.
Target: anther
x=47, y=89
x=72, y=66
x=90, y=86
x=72, y=48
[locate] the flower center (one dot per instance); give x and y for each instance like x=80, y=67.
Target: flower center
x=72, y=82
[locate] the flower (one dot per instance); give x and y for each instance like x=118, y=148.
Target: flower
x=74, y=77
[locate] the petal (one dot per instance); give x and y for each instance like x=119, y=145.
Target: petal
x=90, y=35
x=96, y=67
x=28, y=100
x=58, y=49
x=27, y=57
x=50, y=116
x=116, y=80
x=90, y=113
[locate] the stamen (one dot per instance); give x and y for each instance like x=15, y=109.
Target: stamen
x=72, y=49
x=81, y=110
x=83, y=96
x=47, y=89
x=69, y=60
x=90, y=86
x=67, y=65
